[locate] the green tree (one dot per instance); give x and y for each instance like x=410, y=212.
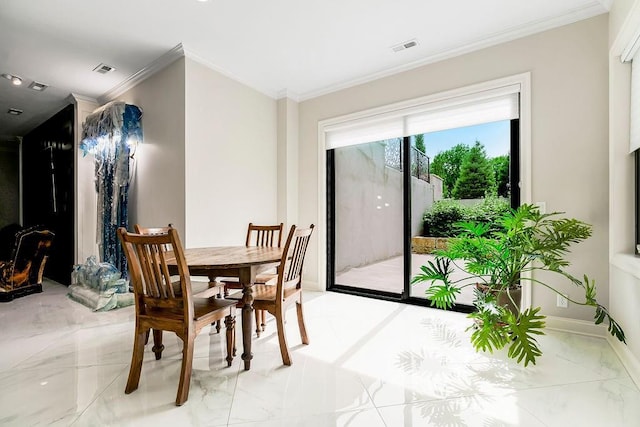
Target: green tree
x=500, y=167
x=476, y=175
x=446, y=165
x=419, y=142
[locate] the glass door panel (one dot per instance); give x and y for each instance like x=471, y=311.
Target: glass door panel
x=461, y=159
x=369, y=222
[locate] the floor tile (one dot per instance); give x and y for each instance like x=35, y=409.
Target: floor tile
x=47, y=396
x=468, y=411
x=153, y=403
x=369, y=363
x=592, y=404
x=361, y=418
x=271, y=390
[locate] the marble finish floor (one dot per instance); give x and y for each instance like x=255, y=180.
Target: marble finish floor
x=370, y=363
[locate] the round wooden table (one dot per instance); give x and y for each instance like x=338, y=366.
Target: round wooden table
x=243, y=262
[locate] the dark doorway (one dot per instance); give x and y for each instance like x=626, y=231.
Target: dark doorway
x=48, y=188
x=9, y=183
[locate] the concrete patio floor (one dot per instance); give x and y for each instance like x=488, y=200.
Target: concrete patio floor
x=387, y=276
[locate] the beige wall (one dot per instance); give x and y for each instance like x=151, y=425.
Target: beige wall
x=157, y=192
x=231, y=153
x=86, y=209
x=569, y=83
x=288, y=143
x=624, y=292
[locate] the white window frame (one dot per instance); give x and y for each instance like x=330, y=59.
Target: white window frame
x=523, y=80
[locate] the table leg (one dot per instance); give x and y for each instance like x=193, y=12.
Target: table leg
x=247, y=316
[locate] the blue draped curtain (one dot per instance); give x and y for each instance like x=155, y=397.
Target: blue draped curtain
x=111, y=134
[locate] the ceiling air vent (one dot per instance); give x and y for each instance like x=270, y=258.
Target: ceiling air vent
x=38, y=86
x=14, y=111
x=104, y=69
x=405, y=45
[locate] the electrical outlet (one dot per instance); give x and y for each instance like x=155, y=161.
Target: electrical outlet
x=562, y=301
x=542, y=207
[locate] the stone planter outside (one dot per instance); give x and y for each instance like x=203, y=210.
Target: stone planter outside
x=426, y=245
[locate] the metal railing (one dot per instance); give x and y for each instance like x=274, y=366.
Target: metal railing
x=420, y=162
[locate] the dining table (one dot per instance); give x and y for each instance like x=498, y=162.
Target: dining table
x=243, y=262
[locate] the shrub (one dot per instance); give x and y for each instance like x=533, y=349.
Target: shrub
x=488, y=212
x=441, y=219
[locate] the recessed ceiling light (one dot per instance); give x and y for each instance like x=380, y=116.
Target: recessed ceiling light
x=38, y=86
x=14, y=79
x=104, y=69
x=14, y=111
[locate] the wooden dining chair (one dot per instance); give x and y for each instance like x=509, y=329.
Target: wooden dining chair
x=200, y=291
x=160, y=308
x=258, y=235
x=287, y=288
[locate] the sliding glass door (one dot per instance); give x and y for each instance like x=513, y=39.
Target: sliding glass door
x=368, y=217
x=459, y=157
x=381, y=213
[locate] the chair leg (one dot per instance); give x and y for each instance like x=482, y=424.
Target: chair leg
x=230, y=322
x=185, y=372
x=146, y=337
x=258, y=329
x=263, y=322
x=214, y=284
x=157, y=343
x=301, y=326
x=136, y=361
x=282, y=338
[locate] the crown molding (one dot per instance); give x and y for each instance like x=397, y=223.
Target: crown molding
x=627, y=40
x=286, y=93
x=202, y=61
x=74, y=97
x=606, y=4
x=157, y=65
x=574, y=15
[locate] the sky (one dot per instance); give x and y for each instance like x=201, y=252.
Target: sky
x=494, y=136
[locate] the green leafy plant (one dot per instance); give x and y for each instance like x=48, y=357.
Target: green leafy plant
x=500, y=259
x=441, y=219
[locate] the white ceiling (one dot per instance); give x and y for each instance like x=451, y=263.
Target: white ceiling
x=303, y=48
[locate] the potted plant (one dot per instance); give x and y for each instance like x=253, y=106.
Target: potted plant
x=501, y=260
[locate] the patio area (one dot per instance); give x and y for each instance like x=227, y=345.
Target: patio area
x=387, y=276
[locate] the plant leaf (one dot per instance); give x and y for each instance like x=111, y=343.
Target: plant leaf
x=524, y=346
x=442, y=296
x=490, y=333
x=438, y=271
x=614, y=328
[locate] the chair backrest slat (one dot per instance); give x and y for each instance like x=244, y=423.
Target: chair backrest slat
x=295, y=249
x=264, y=235
x=149, y=270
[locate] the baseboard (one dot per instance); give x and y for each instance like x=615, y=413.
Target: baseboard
x=581, y=327
x=311, y=286
x=628, y=359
